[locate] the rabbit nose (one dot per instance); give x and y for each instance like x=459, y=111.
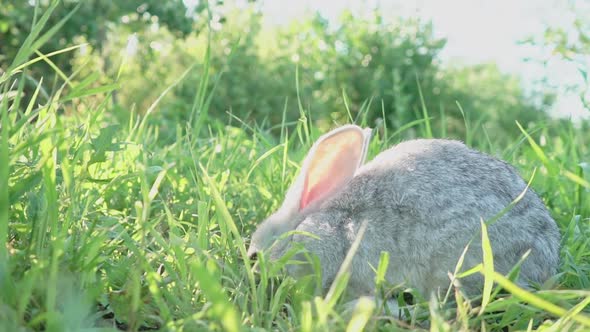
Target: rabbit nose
x=252, y=253
x=253, y=256
x=253, y=263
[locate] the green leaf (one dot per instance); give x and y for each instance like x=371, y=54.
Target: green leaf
x=104, y=142
x=361, y=315
x=539, y=302
x=79, y=92
x=488, y=267
x=221, y=308
x=539, y=151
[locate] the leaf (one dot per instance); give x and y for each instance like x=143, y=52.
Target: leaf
x=79, y=92
x=539, y=302
x=538, y=151
x=363, y=311
x=23, y=185
x=221, y=307
x=382, y=268
x=104, y=143
x=488, y=267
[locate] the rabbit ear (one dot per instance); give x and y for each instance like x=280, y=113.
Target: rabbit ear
x=330, y=164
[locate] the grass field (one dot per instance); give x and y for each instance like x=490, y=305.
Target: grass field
x=103, y=226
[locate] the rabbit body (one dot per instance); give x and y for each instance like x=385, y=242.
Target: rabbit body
x=423, y=201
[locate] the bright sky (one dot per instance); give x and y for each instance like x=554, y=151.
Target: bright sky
x=476, y=31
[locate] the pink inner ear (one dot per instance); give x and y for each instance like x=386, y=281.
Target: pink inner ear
x=334, y=163
x=321, y=189
x=318, y=192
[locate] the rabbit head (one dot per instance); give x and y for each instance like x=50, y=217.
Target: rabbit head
x=330, y=163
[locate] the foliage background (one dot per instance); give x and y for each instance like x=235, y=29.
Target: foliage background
x=361, y=62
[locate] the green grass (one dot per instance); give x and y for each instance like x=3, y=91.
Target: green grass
x=102, y=226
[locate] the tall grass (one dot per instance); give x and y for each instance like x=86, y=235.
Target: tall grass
x=103, y=227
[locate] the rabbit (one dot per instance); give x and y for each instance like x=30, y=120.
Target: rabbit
x=423, y=201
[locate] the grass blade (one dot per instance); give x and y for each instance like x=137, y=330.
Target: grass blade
x=538, y=302
x=488, y=267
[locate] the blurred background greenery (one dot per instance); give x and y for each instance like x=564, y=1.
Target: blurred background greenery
x=265, y=74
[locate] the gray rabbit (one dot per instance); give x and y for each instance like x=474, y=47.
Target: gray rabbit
x=423, y=201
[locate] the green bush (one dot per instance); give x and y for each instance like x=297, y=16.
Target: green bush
x=264, y=76
x=387, y=68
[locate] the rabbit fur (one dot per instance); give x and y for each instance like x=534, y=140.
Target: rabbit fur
x=423, y=201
